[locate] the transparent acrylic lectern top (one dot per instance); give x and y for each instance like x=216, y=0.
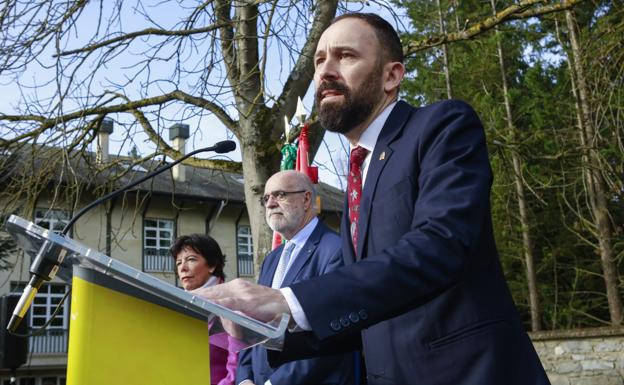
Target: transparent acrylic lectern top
x=247, y=331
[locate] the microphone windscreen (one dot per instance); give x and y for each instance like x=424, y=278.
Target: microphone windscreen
x=224, y=146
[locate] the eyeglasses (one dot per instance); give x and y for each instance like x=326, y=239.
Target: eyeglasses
x=279, y=195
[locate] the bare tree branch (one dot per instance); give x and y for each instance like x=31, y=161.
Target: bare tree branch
x=250, y=93
x=46, y=122
x=25, y=36
x=301, y=75
x=522, y=10
x=216, y=164
x=223, y=9
x=146, y=32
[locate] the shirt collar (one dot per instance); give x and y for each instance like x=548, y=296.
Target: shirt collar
x=213, y=280
x=368, y=139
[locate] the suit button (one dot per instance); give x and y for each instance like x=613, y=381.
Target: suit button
x=363, y=314
x=335, y=325
x=354, y=317
x=344, y=321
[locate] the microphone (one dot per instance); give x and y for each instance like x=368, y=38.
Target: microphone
x=224, y=146
x=50, y=256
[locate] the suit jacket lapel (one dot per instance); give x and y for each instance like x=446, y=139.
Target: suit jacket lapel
x=391, y=129
x=304, y=254
x=271, y=260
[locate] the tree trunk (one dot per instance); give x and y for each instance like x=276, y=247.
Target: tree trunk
x=456, y=9
x=587, y=178
x=527, y=239
x=258, y=169
x=445, y=60
x=597, y=192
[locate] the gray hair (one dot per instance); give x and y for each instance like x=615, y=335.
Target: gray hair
x=303, y=182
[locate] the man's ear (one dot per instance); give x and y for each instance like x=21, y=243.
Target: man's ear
x=308, y=200
x=393, y=75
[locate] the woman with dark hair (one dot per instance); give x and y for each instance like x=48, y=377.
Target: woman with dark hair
x=199, y=263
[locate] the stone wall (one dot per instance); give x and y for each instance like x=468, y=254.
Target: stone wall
x=582, y=357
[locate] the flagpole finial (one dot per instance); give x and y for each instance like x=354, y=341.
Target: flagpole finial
x=286, y=127
x=300, y=113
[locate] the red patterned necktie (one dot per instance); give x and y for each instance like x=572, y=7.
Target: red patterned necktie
x=354, y=189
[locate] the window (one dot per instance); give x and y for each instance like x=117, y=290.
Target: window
x=44, y=304
x=21, y=381
x=54, y=338
x=46, y=380
x=8, y=247
x=51, y=219
x=244, y=251
x=52, y=380
x=157, y=239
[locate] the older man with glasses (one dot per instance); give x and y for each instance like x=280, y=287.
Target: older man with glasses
x=311, y=249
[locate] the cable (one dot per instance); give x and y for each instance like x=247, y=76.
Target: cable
x=50, y=255
x=44, y=326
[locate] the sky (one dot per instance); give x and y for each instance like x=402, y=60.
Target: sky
x=205, y=130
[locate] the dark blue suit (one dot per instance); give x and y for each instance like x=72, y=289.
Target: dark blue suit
x=426, y=296
x=320, y=254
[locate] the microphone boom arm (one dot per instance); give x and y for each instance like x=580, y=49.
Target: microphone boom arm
x=219, y=147
x=49, y=258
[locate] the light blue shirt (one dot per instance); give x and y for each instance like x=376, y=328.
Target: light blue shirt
x=300, y=240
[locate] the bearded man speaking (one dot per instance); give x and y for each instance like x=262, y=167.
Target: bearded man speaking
x=422, y=289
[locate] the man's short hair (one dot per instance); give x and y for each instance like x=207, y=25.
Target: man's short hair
x=386, y=34
x=304, y=182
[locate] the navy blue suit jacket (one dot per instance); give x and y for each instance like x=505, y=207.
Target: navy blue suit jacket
x=426, y=296
x=320, y=254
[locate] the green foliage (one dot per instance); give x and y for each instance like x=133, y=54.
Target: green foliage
x=546, y=139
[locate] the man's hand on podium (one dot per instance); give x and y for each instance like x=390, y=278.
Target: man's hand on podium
x=256, y=301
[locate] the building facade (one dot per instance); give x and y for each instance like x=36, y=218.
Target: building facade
x=136, y=228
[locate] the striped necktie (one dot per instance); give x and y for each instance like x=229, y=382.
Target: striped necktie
x=280, y=272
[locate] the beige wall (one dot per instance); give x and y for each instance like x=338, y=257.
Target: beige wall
x=190, y=216
x=224, y=231
x=126, y=243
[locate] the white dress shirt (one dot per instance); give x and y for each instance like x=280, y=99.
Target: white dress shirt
x=368, y=140
x=299, y=240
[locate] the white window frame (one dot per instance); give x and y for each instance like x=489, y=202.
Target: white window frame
x=52, y=219
x=244, y=249
x=37, y=380
x=160, y=261
x=44, y=299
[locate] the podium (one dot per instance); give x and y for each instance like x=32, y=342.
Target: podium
x=127, y=326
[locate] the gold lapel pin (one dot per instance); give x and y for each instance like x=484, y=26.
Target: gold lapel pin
x=382, y=156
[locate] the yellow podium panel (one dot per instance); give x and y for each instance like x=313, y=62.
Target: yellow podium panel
x=117, y=338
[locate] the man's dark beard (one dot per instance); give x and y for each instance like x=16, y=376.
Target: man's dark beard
x=355, y=109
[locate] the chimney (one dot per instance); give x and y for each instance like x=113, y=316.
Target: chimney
x=106, y=128
x=179, y=133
